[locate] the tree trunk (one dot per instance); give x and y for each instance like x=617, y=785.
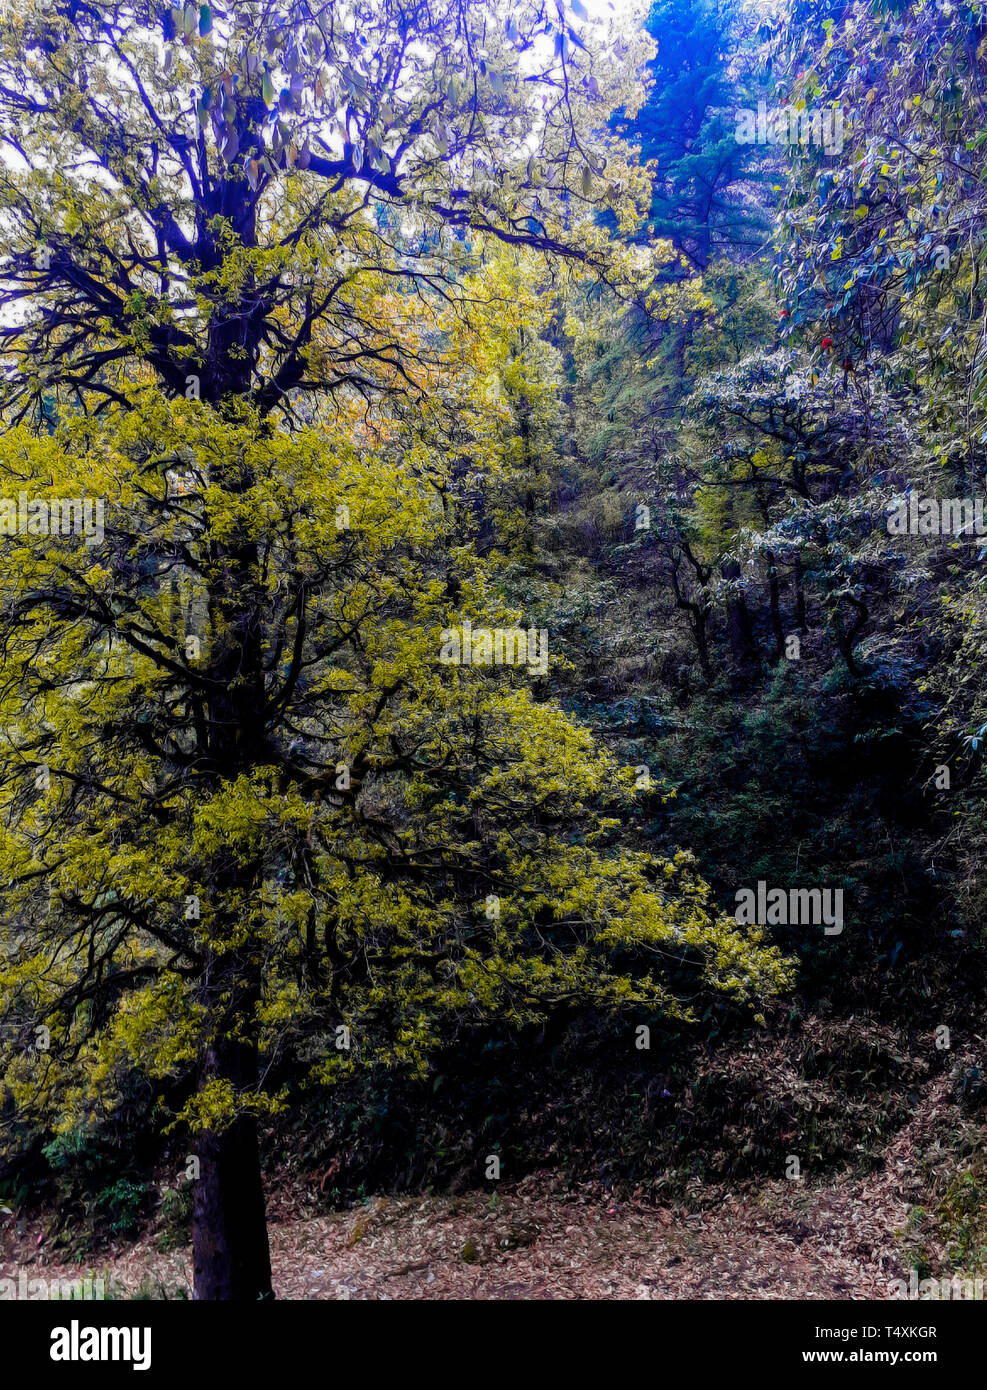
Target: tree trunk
x=697, y=613
x=846, y=637
x=800, y=617
x=231, y=1257
x=699, y=632
x=774, y=602
x=230, y=1254
x=743, y=648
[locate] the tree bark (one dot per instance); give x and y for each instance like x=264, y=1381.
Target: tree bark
x=800, y=615
x=743, y=647
x=697, y=613
x=846, y=637
x=231, y=1256
x=774, y=602
x=230, y=1252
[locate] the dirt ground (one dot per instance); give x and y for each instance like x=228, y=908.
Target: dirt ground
x=534, y=1240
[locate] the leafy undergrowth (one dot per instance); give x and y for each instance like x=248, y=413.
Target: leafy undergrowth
x=832, y=1092
x=842, y=1237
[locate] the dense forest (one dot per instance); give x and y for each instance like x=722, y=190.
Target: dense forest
x=491, y=616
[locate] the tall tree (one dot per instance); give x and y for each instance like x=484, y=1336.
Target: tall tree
x=249, y=811
x=687, y=127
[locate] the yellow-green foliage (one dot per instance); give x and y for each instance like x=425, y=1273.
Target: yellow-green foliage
x=467, y=872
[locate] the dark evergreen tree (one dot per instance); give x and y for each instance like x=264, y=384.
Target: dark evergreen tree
x=688, y=128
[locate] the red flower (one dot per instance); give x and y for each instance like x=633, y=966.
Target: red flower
x=784, y=313
x=827, y=343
